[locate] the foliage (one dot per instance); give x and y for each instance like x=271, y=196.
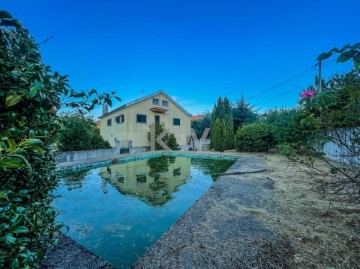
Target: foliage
x=333, y=115
x=285, y=125
x=345, y=53
x=218, y=133
x=169, y=139
x=254, y=137
x=30, y=94
x=200, y=124
x=159, y=165
x=79, y=132
x=243, y=113
x=222, y=128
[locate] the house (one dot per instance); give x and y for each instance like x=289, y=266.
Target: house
x=197, y=117
x=132, y=120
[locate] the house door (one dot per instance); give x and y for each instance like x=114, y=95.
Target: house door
x=157, y=119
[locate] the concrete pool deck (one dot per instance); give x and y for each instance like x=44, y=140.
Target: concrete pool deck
x=222, y=229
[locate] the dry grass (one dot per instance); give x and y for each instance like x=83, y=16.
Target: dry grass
x=321, y=234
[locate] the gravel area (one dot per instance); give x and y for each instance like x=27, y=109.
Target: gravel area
x=71, y=255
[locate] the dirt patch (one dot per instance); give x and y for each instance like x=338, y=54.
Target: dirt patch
x=321, y=234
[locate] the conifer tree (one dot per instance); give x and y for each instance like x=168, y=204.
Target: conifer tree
x=222, y=127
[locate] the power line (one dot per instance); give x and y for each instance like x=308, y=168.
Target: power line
x=285, y=82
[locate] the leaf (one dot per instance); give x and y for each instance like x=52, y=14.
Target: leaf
x=4, y=195
x=324, y=56
x=38, y=149
x=15, y=263
x=20, y=230
x=12, y=100
x=23, y=159
x=345, y=56
x=5, y=15
x=77, y=95
x=30, y=141
x=11, y=164
x=108, y=101
x=12, y=144
x=92, y=92
x=117, y=98
x=356, y=60
x=4, y=227
x=344, y=48
x=10, y=22
x=9, y=238
x=23, y=240
x=34, y=88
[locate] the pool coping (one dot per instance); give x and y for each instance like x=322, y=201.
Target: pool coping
x=124, y=158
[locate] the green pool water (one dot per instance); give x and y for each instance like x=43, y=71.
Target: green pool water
x=119, y=211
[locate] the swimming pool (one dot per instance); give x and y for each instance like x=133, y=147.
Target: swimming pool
x=118, y=211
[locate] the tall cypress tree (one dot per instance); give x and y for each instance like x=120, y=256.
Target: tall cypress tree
x=222, y=127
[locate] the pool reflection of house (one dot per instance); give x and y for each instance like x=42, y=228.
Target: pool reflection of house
x=152, y=180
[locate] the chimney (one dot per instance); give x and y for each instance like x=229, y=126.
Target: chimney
x=105, y=109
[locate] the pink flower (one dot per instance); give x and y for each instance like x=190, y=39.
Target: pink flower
x=307, y=93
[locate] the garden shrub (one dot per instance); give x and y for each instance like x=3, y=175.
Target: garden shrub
x=30, y=95
x=333, y=115
x=285, y=124
x=79, y=132
x=255, y=137
x=169, y=139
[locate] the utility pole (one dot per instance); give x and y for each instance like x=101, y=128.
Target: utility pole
x=319, y=77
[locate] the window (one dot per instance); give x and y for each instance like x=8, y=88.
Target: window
x=157, y=119
x=176, y=121
x=120, y=119
x=176, y=172
x=156, y=101
x=109, y=122
x=165, y=103
x=140, y=178
x=140, y=118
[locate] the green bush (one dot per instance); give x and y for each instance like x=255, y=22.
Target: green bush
x=30, y=94
x=285, y=124
x=79, y=133
x=255, y=137
x=169, y=139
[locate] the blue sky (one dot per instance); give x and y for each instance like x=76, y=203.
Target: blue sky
x=194, y=50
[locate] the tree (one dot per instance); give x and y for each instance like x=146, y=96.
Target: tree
x=200, y=124
x=79, y=132
x=169, y=139
x=222, y=128
x=30, y=95
x=243, y=113
x=285, y=124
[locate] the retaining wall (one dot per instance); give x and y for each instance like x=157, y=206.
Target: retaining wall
x=347, y=150
x=82, y=155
